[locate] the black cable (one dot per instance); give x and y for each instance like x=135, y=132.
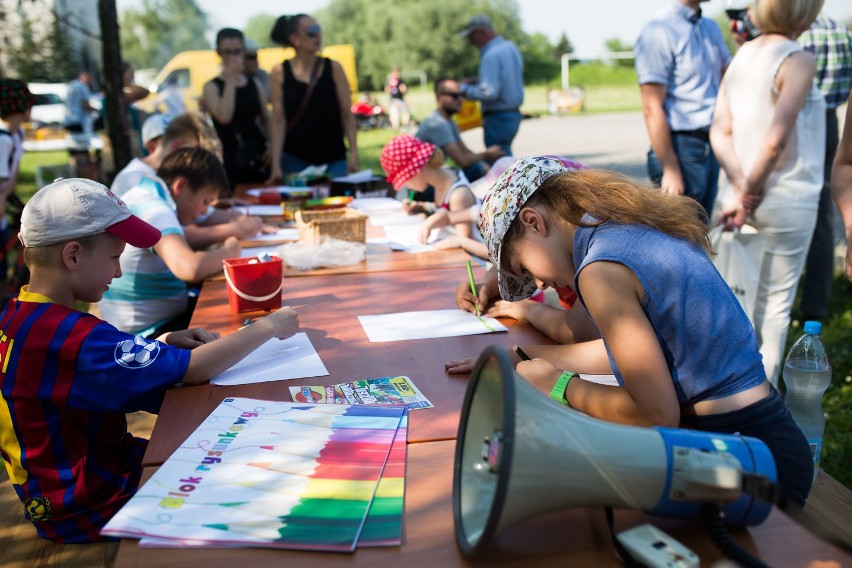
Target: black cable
x=723, y=540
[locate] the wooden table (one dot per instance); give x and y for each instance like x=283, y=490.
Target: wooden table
x=576, y=537
x=328, y=308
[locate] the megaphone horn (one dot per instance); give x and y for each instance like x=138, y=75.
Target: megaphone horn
x=520, y=454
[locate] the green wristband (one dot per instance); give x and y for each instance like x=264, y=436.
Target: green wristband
x=558, y=392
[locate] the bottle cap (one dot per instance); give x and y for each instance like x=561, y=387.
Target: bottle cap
x=813, y=327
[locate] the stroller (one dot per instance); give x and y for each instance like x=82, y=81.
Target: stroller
x=369, y=114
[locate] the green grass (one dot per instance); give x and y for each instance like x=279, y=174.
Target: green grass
x=29, y=163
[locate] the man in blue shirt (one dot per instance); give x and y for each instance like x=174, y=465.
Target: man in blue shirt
x=680, y=60
x=500, y=84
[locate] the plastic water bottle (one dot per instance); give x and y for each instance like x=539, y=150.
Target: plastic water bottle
x=807, y=374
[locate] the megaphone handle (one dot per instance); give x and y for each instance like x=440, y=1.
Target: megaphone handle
x=623, y=553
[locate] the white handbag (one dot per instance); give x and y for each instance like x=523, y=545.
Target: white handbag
x=739, y=258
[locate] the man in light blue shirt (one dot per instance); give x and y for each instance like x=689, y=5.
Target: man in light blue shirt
x=680, y=60
x=500, y=85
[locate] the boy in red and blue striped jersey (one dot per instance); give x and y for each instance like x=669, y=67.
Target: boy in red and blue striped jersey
x=67, y=377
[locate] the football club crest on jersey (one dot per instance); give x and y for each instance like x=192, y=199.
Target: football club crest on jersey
x=136, y=353
x=38, y=509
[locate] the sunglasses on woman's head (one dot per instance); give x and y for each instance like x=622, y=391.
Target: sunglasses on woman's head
x=313, y=31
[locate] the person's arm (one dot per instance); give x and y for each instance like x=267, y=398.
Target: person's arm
x=461, y=201
x=562, y=326
x=134, y=92
x=221, y=106
x=277, y=122
x=203, y=235
x=464, y=156
x=8, y=178
x=793, y=81
x=489, y=82
x=648, y=397
x=841, y=183
x=344, y=98
x=192, y=266
x=722, y=141
x=210, y=359
x=653, y=96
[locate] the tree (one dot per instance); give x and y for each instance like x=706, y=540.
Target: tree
x=258, y=28
x=112, y=82
x=153, y=32
x=31, y=46
x=413, y=35
x=563, y=46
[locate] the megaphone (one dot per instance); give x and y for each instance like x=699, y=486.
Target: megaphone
x=520, y=454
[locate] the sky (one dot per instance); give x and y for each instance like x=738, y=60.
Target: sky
x=587, y=23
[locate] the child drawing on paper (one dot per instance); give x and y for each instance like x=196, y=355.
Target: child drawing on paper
x=671, y=331
x=67, y=378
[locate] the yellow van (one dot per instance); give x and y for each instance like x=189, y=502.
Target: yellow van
x=188, y=71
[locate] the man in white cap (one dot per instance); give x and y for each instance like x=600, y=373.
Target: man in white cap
x=500, y=84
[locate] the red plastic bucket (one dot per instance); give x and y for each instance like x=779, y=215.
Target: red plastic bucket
x=254, y=284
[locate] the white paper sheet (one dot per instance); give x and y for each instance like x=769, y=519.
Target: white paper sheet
x=260, y=210
x=426, y=325
x=406, y=238
x=375, y=204
x=394, y=219
x=289, y=234
x=276, y=360
x=357, y=177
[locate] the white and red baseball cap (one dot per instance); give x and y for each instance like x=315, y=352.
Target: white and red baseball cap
x=74, y=208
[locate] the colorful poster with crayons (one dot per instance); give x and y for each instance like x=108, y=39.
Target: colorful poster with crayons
x=274, y=474
x=385, y=390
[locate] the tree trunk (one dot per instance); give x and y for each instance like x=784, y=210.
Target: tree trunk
x=115, y=118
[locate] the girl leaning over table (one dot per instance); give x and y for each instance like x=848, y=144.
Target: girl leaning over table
x=670, y=329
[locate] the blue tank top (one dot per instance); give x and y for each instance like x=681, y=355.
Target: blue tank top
x=709, y=345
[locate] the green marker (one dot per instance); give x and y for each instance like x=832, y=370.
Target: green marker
x=472, y=287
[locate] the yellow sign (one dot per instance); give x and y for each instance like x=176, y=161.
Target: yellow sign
x=470, y=115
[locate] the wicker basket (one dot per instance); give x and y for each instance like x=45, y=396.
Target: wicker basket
x=345, y=224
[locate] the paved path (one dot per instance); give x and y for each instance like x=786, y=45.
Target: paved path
x=613, y=141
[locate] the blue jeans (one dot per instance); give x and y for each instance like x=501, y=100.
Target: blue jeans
x=698, y=166
x=290, y=164
x=500, y=128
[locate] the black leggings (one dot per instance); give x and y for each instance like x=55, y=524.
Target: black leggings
x=769, y=421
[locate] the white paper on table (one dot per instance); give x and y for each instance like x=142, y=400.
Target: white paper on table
x=288, y=234
x=406, y=238
x=427, y=325
x=357, y=177
x=394, y=219
x=260, y=210
x=252, y=252
x=375, y=204
x=276, y=360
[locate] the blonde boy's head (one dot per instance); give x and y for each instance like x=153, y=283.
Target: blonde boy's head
x=76, y=208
